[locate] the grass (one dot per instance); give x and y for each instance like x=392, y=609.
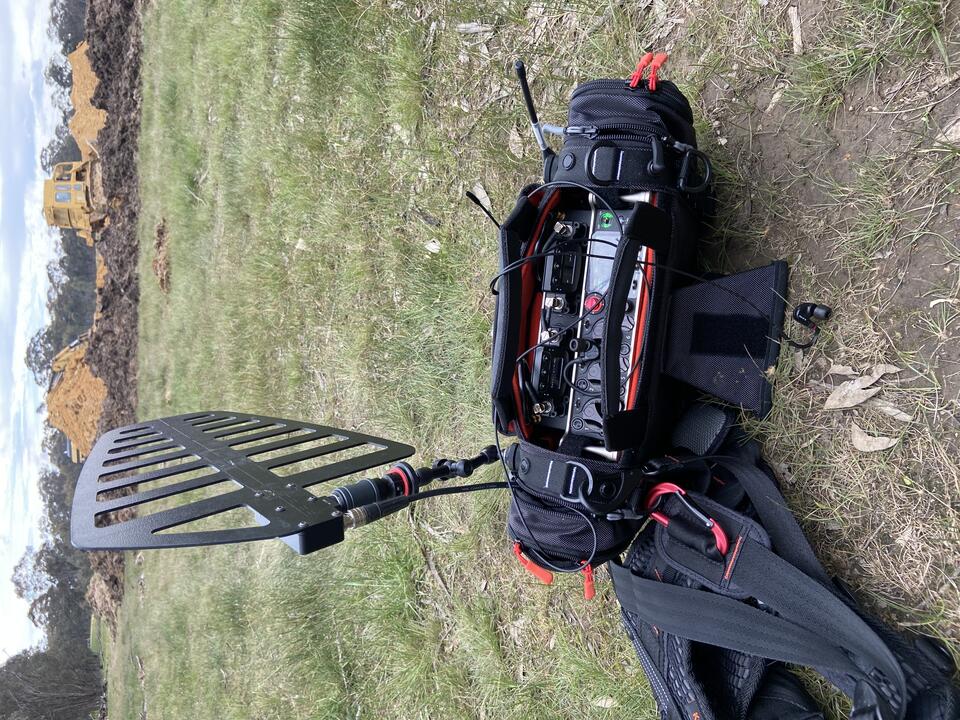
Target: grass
x=858, y=37
x=303, y=156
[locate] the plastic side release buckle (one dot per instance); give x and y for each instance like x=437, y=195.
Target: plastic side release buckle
x=541, y=574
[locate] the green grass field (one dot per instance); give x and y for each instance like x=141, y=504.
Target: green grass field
x=309, y=160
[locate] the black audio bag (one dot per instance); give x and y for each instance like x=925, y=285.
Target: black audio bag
x=632, y=146
x=614, y=147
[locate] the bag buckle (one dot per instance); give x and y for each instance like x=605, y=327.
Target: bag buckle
x=694, y=161
x=666, y=488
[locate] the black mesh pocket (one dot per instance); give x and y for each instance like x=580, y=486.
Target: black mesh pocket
x=562, y=535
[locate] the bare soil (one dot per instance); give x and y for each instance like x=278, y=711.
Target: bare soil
x=113, y=32
x=161, y=258
x=114, y=36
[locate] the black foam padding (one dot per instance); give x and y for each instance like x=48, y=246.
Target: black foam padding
x=702, y=428
x=724, y=335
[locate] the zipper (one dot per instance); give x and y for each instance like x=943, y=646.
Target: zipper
x=625, y=130
x=589, y=588
x=669, y=93
x=541, y=574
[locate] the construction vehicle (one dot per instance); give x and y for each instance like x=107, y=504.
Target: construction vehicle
x=72, y=198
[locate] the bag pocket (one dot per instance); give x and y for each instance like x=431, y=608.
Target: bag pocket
x=562, y=535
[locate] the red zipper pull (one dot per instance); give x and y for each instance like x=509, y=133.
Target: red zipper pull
x=544, y=576
x=658, y=62
x=589, y=589
x=641, y=66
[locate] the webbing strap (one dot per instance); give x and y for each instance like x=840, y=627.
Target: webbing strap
x=718, y=620
x=831, y=638
x=787, y=537
x=812, y=625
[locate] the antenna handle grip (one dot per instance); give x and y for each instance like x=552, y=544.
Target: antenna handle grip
x=366, y=492
x=521, y=71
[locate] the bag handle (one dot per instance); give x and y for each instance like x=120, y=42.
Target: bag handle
x=647, y=226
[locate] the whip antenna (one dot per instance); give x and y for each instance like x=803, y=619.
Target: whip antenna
x=521, y=71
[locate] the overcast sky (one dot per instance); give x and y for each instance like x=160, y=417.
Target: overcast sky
x=27, y=122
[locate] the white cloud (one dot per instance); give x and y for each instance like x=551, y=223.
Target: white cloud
x=32, y=44
x=21, y=453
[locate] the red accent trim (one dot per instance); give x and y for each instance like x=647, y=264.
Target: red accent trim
x=589, y=589
x=655, y=66
x=544, y=576
x=641, y=66
x=644, y=298
x=733, y=558
x=660, y=518
x=528, y=329
x=720, y=537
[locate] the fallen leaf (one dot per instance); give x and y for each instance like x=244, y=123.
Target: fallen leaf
x=941, y=301
x=841, y=370
x=880, y=370
x=951, y=133
x=890, y=410
x=870, y=443
x=482, y=196
x=775, y=97
x=605, y=702
x=850, y=394
x=799, y=361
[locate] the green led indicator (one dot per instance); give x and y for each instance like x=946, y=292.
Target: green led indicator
x=606, y=219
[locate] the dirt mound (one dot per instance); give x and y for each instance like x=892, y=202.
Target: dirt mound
x=101, y=279
x=106, y=586
x=87, y=120
x=75, y=399
x=114, y=36
x=113, y=31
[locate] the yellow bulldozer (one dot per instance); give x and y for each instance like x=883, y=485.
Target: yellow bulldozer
x=73, y=198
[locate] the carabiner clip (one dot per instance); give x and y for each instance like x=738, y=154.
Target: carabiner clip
x=667, y=488
x=693, y=159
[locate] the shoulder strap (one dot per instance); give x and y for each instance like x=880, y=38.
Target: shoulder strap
x=801, y=616
x=801, y=622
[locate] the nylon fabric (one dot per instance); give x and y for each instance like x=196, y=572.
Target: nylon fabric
x=789, y=611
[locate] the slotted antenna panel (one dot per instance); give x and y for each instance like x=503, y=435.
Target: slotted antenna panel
x=216, y=477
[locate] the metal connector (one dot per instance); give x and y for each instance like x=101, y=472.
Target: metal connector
x=352, y=519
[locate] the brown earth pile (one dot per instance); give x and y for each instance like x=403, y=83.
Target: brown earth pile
x=113, y=31
x=114, y=36
x=87, y=120
x=161, y=257
x=101, y=282
x=105, y=591
x=75, y=401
